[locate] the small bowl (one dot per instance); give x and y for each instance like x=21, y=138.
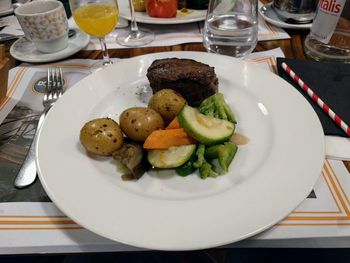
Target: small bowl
x=295, y=11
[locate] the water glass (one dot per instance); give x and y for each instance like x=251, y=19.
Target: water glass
x=231, y=27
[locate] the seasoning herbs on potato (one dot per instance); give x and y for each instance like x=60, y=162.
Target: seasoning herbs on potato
x=101, y=136
x=167, y=102
x=139, y=122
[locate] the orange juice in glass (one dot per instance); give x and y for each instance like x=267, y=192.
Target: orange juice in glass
x=96, y=18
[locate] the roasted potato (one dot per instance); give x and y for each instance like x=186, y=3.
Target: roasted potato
x=167, y=102
x=101, y=136
x=138, y=122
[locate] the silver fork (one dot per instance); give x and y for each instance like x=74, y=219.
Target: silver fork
x=27, y=173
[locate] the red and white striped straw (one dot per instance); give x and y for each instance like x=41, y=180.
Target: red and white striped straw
x=316, y=99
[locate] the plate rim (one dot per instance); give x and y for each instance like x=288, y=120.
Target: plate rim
x=160, y=21
x=178, y=54
x=7, y=12
x=280, y=23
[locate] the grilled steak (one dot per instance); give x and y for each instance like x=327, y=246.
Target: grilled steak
x=195, y=81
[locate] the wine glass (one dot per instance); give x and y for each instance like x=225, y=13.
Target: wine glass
x=135, y=37
x=96, y=18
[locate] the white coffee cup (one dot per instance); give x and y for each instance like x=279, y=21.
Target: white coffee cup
x=45, y=24
x=5, y=5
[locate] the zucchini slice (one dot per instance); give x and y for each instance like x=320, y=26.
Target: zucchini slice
x=170, y=158
x=204, y=128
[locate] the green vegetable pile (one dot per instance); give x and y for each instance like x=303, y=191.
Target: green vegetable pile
x=224, y=152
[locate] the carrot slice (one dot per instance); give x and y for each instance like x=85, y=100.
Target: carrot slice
x=174, y=124
x=164, y=139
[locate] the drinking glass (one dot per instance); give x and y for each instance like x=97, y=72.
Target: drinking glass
x=231, y=27
x=96, y=18
x=134, y=37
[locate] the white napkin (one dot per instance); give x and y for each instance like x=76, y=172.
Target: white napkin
x=337, y=148
x=11, y=26
x=165, y=35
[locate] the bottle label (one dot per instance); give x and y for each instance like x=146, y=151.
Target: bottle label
x=326, y=19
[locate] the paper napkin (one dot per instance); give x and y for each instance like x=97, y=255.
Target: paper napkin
x=11, y=26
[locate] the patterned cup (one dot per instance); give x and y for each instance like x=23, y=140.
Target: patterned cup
x=45, y=24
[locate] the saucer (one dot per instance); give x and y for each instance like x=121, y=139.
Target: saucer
x=25, y=50
x=267, y=12
x=6, y=12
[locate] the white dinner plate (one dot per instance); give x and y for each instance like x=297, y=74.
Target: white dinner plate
x=181, y=18
x=269, y=177
x=267, y=12
x=25, y=50
x=6, y=12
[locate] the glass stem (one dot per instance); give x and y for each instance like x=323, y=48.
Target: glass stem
x=133, y=24
x=106, y=59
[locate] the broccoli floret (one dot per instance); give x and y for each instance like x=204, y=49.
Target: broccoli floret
x=216, y=106
x=206, y=170
x=200, y=156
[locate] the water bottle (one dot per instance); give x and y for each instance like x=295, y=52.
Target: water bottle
x=329, y=38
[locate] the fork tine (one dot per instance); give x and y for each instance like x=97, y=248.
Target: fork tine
x=54, y=84
x=55, y=75
x=49, y=85
x=52, y=90
x=60, y=82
